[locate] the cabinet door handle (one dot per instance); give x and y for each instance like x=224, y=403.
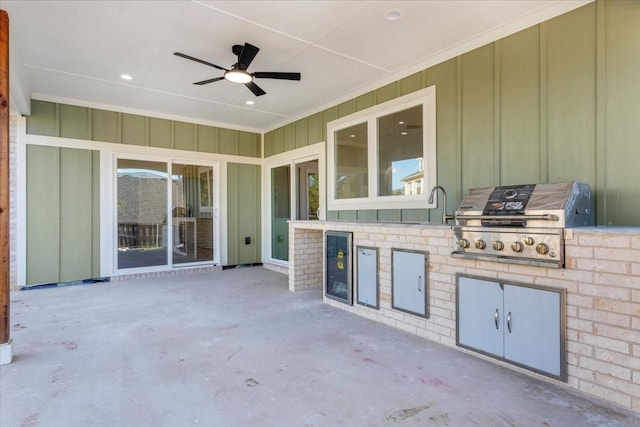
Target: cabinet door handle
x=495, y=318
x=509, y=322
x=419, y=283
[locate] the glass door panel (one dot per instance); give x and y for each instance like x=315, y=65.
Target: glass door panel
x=280, y=212
x=192, y=213
x=142, y=213
x=308, y=190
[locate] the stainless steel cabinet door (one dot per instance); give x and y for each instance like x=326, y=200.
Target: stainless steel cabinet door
x=409, y=283
x=532, y=328
x=480, y=315
x=367, y=285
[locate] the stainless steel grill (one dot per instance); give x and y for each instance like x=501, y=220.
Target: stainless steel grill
x=521, y=223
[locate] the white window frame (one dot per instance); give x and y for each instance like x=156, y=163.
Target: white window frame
x=425, y=97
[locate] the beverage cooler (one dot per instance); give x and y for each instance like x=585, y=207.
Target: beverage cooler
x=338, y=266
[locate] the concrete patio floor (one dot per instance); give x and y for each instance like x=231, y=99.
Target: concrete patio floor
x=235, y=348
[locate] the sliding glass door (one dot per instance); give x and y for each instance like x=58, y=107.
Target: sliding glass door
x=192, y=213
x=162, y=205
x=142, y=213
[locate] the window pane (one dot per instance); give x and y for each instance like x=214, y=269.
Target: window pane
x=142, y=213
x=351, y=162
x=313, y=194
x=280, y=211
x=400, y=153
x=192, y=213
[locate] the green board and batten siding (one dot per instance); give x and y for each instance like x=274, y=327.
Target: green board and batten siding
x=243, y=218
x=63, y=199
x=68, y=121
x=555, y=102
x=62, y=214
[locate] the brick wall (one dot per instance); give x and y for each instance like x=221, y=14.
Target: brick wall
x=305, y=251
x=602, y=280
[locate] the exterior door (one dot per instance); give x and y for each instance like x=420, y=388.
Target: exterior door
x=293, y=194
x=308, y=190
x=165, y=213
x=280, y=211
x=192, y=210
x=142, y=226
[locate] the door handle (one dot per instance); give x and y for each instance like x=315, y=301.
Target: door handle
x=509, y=322
x=419, y=283
x=495, y=318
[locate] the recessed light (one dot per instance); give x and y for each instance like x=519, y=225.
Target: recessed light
x=250, y=102
x=352, y=135
x=393, y=15
x=126, y=77
x=400, y=122
x=403, y=133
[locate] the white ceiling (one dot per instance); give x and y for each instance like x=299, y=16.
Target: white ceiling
x=75, y=51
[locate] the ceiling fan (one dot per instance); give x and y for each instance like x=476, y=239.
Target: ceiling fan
x=238, y=72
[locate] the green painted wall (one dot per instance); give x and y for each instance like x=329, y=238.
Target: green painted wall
x=56, y=251
x=556, y=102
x=243, y=213
x=69, y=121
x=62, y=214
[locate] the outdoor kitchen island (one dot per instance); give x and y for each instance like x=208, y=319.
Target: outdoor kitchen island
x=600, y=283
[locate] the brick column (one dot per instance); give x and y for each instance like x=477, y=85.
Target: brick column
x=305, y=258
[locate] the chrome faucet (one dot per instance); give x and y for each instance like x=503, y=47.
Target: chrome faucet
x=445, y=218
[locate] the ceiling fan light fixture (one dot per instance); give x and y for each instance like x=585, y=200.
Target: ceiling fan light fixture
x=238, y=72
x=238, y=76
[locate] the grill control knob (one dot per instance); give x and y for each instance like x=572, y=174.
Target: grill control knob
x=481, y=244
x=529, y=241
x=542, y=249
x=498, y=245
x=517, y=247
x=464, y=243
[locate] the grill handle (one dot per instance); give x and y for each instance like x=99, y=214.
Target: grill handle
x=546, y=217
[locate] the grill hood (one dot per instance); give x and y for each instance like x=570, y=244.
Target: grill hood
x=561, y=205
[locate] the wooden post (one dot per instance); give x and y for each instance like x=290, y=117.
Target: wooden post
x=4, y=178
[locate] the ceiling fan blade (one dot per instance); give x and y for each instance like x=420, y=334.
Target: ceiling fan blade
x=204, y=82
x=257, y=91
x=182, y=55
x=275, y=75
x=249, y=52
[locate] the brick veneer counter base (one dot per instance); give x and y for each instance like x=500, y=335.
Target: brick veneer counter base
x=601, y=278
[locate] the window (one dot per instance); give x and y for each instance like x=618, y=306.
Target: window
x=384, y=156
x=400, y=152
x=351, y=162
